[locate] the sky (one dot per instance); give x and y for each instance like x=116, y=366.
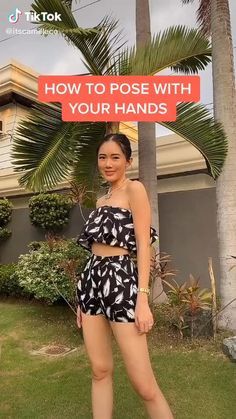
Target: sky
x=52, y=55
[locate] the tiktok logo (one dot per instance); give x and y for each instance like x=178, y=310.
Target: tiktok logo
x=14, y=17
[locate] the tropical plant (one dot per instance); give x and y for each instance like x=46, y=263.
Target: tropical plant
x=159, y=270
x=49, y=150
x=214, y=18
x=189, y=300
x=203, y=14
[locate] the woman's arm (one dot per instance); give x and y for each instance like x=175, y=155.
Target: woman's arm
x=141, y=213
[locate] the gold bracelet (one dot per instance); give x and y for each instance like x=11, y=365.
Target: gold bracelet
x=145, y=290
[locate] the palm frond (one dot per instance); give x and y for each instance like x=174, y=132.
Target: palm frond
x=67, y=19
x=98, y=47
x=195, y=124
x=68, y=3
x=203, y=15
x=85, y=170
x=120, y=64
x=99, y=50
x=43, y=148
x=179, y=48
x=48, y=150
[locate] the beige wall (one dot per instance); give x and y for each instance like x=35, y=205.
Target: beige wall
x=10, y=115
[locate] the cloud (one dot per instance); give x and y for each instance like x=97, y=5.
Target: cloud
x=70, y=62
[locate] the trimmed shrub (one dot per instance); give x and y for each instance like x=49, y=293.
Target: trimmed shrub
x=5, y=216
x=50, y=211
x=4, y=233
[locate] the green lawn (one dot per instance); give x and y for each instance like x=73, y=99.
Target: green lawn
x=197, y=379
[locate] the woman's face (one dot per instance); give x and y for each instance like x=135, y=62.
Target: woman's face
x=112, y=162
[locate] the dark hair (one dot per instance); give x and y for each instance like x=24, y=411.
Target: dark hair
x=121, y=140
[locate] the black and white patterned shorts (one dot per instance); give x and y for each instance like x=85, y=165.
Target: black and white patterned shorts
x=108, y=285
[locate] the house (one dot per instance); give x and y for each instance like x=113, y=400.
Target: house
x=187, y=201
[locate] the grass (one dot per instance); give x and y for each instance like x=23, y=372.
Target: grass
x=197, y=379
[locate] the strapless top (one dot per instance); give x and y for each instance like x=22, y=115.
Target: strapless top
x=113, y=226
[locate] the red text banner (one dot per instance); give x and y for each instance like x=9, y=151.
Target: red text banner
x=119, y=98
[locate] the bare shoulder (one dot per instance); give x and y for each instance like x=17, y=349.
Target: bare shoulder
x=138, y=197
x=135, y=188
x=141, y=212
x=98, y=203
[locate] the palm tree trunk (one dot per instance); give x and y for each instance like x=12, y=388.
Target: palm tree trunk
x=112, y=127
x=225, y=112
x=147, y=142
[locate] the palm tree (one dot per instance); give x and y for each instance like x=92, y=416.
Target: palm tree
x=47, y=150
x=214, y=19
x=147, y=141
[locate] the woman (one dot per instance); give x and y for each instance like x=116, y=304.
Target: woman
x=112, y=291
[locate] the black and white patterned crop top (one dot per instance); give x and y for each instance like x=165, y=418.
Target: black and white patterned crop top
x=111, y=225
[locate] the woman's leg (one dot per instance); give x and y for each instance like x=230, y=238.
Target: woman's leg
x=97, y=339
x=134, y=350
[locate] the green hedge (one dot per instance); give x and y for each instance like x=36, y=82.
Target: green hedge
x=9, y=282
x=50, y=211
x=5, y=216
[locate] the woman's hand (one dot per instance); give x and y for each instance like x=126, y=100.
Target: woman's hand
x=79, y=317
x=143, y=315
